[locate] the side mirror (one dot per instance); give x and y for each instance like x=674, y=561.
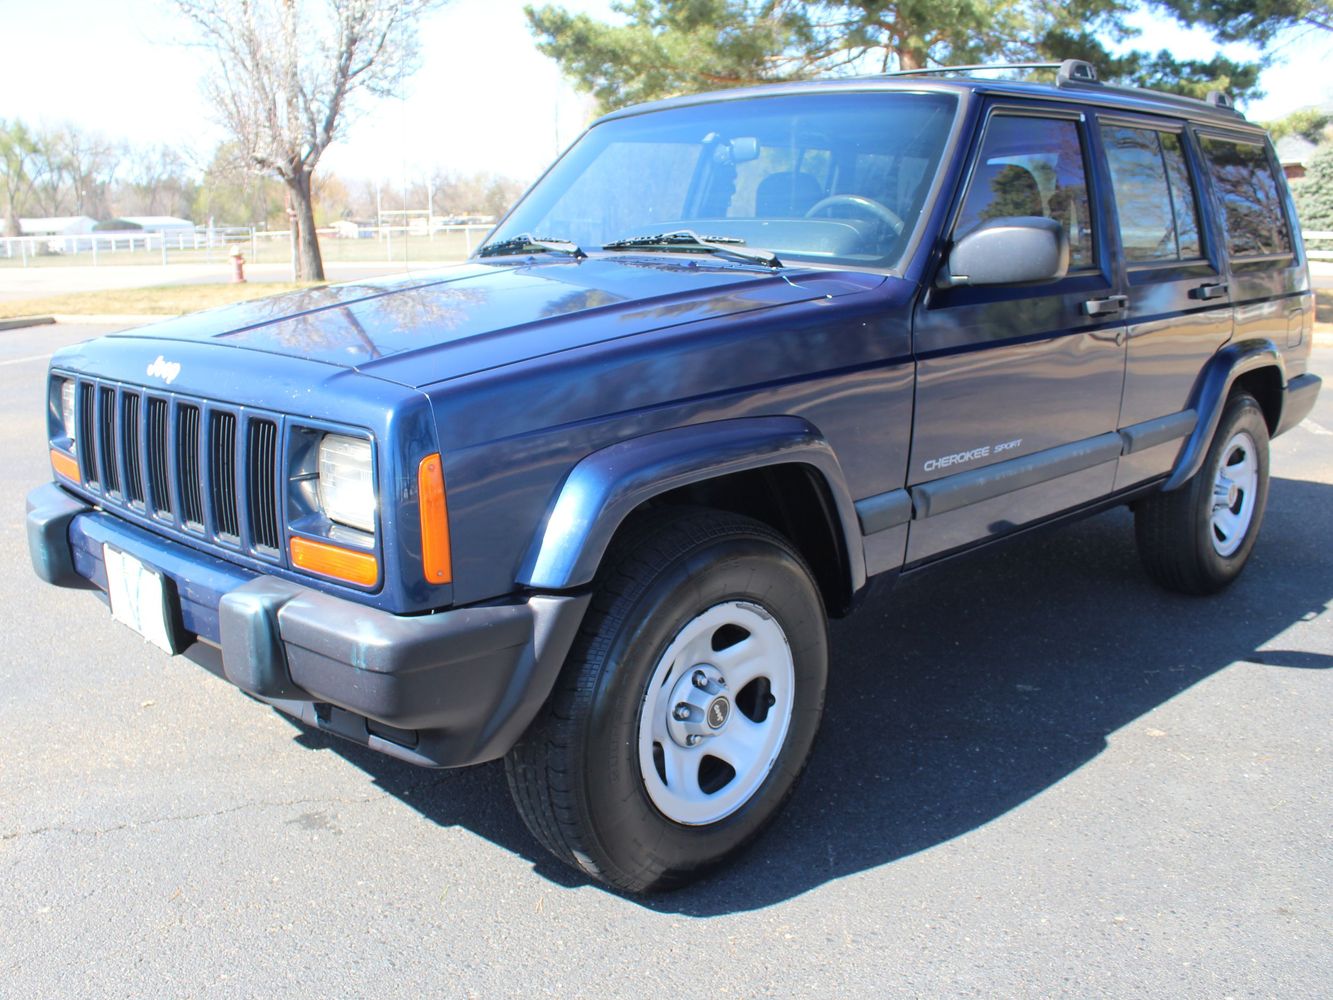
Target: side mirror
x=1015, y=250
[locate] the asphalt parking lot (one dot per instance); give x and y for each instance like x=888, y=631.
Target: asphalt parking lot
x=1038, y=776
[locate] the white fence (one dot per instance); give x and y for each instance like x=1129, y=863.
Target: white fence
x=204, y=245
x=1318, y=236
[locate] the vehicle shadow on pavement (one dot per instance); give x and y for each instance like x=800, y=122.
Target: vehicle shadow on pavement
x=965, y=691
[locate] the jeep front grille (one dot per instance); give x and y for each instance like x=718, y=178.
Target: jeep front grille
x=206, y=470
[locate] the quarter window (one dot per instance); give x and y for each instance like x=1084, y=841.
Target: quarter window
x=1251, y=204
x=1153, y=194
x=1032, y=166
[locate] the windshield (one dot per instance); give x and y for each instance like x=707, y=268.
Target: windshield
x=836, y=177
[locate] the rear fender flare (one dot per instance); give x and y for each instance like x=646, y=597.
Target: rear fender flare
x=1210, y=397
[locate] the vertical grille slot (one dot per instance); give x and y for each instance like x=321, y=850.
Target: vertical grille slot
x=132, y=461
x=262, y=479
x=187, y=466
x=87, y=444
x=106, y=438
x=222, y=472
x=159, y=487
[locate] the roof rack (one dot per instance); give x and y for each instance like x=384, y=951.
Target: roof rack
x=1070, y=71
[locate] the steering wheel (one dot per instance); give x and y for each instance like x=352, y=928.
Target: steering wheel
x=882, y=212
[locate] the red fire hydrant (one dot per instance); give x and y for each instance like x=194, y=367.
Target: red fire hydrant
x=238, y=267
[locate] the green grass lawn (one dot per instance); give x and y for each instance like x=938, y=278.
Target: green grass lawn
x=165, y=300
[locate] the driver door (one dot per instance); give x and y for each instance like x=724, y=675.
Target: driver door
x=1018, y=387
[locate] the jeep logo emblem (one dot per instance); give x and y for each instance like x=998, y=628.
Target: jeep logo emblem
x=718, y=713
x=164, y=369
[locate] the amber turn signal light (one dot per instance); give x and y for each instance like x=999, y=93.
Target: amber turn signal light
x=333, y=560
x=65, y=465
x=435, y=559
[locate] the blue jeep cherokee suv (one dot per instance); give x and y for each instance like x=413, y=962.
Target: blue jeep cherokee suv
x=587, y=500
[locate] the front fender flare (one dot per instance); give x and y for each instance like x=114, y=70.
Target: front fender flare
x=604, y=487
x=1210, y=397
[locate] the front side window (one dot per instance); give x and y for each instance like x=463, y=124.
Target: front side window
x=1153, y=195
x=1032, y=166
x=1251, y=205
x=836, y=177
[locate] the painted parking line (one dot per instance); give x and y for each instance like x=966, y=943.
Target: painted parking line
x=31, y=357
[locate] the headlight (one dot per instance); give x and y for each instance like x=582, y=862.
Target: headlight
x=346, y=481
x=67, y=406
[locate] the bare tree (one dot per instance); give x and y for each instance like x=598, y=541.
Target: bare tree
x=20, y=168
x=154, y=181
x=284, y=73
x=89, y=162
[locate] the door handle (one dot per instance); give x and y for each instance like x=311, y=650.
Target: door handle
x=1106, y=306
x=1213, y=291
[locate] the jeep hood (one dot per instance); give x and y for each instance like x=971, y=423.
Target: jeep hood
x=424, y=328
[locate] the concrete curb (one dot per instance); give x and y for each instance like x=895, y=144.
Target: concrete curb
x=25, y=321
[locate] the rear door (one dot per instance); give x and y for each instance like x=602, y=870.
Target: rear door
x=1179, y=306
x=1018, y=387
x=1268, y=282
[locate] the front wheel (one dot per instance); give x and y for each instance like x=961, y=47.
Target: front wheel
x=687, y=707
x=1198, y=538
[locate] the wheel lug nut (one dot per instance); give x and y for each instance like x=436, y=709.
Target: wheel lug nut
x=692, y=740
x=682, y=712
x=700, y=679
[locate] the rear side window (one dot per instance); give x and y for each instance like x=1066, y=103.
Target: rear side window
x=1248, y=190
x=1153, y=194
x=1032, y=166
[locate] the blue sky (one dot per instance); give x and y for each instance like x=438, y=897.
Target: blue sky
x=484, y=98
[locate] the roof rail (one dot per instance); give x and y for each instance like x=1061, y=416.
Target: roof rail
x=1067, y=72
x=973, y=68
x=1218, y=99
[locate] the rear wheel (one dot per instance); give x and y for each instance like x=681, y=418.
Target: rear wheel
x=1198, y=538
x=687, y=707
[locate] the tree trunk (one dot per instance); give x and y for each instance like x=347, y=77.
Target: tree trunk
x=910, y=57
x=310, y=265
x=12, y=227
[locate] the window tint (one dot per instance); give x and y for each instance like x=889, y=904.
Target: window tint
x=1249, y=194
x=1032, y=166
x=1152, y=193
x=1183, y=199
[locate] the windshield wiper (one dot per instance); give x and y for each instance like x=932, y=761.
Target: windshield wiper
x=687, y=241
x=527, y=243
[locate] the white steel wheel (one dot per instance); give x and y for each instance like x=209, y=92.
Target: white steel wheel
x=688, y=704
x=1235, y=491
x=716, y=712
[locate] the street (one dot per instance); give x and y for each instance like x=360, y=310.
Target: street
x=1038, y=775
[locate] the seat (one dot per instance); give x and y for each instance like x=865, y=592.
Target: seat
x=788, y=194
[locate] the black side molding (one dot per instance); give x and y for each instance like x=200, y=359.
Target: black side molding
x=1150, y=433
x=884, y=511
x=965, y=488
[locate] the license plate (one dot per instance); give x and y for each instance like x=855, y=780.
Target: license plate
x=139, y=598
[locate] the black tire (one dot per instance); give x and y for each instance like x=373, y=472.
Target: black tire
x=575, y=776
x=1178, y=542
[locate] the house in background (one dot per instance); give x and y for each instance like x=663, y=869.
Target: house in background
x=158, y=224
x=1293, y=153
x=353, y=229
x=60, y=225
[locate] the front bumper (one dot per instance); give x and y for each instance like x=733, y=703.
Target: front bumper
x=446, y=689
